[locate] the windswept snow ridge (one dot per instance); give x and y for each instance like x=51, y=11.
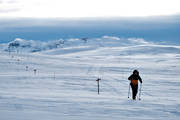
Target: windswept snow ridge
x=30, y=45
x=123, y=45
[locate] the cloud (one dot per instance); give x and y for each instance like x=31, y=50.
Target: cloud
x=117, y=22
x=92, y=8
x=163, y=28
x=8, y=1
x=9, y=6
x=12, y=1
x=8, y=10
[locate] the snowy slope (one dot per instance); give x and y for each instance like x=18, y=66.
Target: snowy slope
x=64, y=87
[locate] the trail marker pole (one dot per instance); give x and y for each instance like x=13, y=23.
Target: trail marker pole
x=35, y=70
x=54, y=75
x=98, y=84
x=26, y=68
x=9, y=51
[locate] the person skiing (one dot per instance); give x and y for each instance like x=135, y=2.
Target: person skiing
x=134, y=83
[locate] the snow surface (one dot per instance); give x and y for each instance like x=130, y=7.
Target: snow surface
x=65, y=87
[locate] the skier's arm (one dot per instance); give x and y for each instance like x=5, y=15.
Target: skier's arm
x=140, y=79
x=130, y=77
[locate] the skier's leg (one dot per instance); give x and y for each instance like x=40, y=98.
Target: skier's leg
x=133, y=91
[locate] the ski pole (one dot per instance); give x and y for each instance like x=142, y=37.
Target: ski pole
x=140, y=92
x=129, y=90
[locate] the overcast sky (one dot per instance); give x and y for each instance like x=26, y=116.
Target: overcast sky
x=87, y=8
x=154, y=20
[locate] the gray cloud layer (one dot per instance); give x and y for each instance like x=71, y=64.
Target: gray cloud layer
x=123, y=22
x=152, y=28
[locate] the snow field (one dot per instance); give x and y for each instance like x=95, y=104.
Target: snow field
x=65, y=86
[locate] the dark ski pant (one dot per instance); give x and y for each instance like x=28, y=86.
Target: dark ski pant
x=134, y=90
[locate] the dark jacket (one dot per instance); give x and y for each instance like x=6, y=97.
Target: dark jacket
x=135, y=77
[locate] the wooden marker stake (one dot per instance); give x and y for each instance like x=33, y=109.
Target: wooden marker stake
x=98, y=84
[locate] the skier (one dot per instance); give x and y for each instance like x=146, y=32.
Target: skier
x=134, y=83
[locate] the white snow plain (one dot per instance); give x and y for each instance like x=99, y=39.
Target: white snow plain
x=65, y=88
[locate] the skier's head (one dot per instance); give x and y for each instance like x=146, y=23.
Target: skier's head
x=135, y=72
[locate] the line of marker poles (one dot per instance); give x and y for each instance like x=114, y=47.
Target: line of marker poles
x=98, y=85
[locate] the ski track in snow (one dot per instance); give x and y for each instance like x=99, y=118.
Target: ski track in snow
x=65, y=87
